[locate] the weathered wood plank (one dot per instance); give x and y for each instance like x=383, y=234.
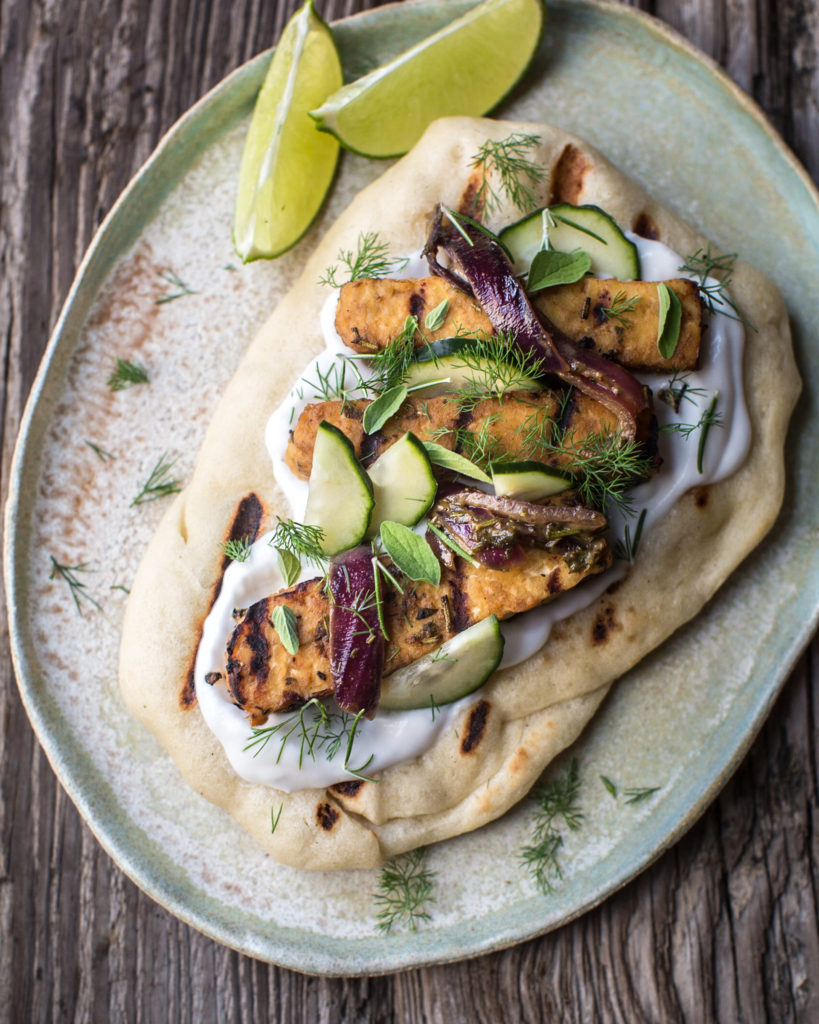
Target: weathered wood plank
x=722, y=928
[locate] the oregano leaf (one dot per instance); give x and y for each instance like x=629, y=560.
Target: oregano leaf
x=410, y=553
x=378, y=412
x=550, y=267
x=284, y=622
x=435, y=318
x=440, y=456
x=668, y=322
x=289, y=566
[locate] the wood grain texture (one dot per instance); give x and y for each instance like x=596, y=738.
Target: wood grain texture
x=722, y=929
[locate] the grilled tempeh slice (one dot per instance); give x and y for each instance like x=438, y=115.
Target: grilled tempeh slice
x=262, y=677
x=371, y=312
x=512, y=423
x=631, y=337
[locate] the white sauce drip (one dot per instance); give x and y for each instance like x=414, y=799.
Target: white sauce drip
x=393, y=737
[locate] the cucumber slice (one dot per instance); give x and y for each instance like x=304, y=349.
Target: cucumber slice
x=525, y=238
x=453, y=362
x=340, y=499
x=455, y=670
x=576, y=227
x=529, y=481
x=403, y=484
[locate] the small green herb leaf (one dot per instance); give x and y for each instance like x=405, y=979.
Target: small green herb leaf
x=274, y=819
x=284, y=622
x=435, y=318
x=550, y=267
x=101, y=453
x=610, y=786
x=668, y=324
x=636, y=796
x=378, y=412
x=238, y=550
x=125, y=375
x=289, y=566
x=440, y=456
x=410, y=553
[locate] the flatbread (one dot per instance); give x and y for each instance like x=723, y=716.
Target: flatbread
x=525, y=715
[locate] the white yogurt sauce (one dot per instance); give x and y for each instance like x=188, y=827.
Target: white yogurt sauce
x=393, y=737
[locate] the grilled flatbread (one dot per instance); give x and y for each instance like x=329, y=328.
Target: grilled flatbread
x=525, y=715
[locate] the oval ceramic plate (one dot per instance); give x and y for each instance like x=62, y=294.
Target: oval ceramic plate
x=160, y=285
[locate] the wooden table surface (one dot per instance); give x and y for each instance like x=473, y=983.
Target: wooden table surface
x=722, y=928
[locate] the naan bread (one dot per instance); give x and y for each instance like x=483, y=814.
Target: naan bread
x=526, y=715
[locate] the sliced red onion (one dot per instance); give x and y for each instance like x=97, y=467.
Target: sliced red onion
x=480, y=266
x=356, y=640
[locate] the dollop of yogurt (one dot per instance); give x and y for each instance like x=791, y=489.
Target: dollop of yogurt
x=299, y=750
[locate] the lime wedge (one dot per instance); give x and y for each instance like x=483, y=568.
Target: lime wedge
x=287, y=166
x=465, y=68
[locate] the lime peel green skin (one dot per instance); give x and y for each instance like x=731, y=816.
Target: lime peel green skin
x=280, y=125
x=326, y=116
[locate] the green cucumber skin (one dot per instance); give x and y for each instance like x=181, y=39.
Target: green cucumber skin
x=535, y=480
x=425, y=492
x=441, y=359
x=442, y=348
x=622, y=262
x=337, y=540
x=444, y=679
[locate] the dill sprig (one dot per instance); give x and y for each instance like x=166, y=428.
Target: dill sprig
x=678, y=390
x=626, y=548
x=300, y=540
x=317, y=731
x=604, y=464
x=178, y=283
x=557, y=808
x=639, y=794
x=101, y=453
x=237, y=549
x=709, y=418
x=498, y=366
x=371, y=259
x=620, y=307
x=126, y=375
x=703, y=264
x=405, y=889
x=76, y=586
x=332, y=385
x=159, y=484
x=389, y=366
x=479, y=446
x=509, y=160
x=631, y=795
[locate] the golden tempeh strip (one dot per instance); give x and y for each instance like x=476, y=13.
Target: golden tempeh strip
x=632, y=341
x=429, y=419
x=372, y=312
x=262, y=677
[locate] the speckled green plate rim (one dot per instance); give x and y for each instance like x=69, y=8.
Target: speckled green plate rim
x=122, y=838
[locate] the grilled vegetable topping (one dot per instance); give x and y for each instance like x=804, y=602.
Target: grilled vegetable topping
x=356, y=640
x=484, y=270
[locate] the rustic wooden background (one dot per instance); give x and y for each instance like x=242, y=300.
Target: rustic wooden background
x=723, y=928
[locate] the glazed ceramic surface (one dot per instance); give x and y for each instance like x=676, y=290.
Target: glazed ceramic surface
x=162, y=286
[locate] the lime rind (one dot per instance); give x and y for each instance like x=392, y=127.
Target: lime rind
x=436, y=78
x=287, y=167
